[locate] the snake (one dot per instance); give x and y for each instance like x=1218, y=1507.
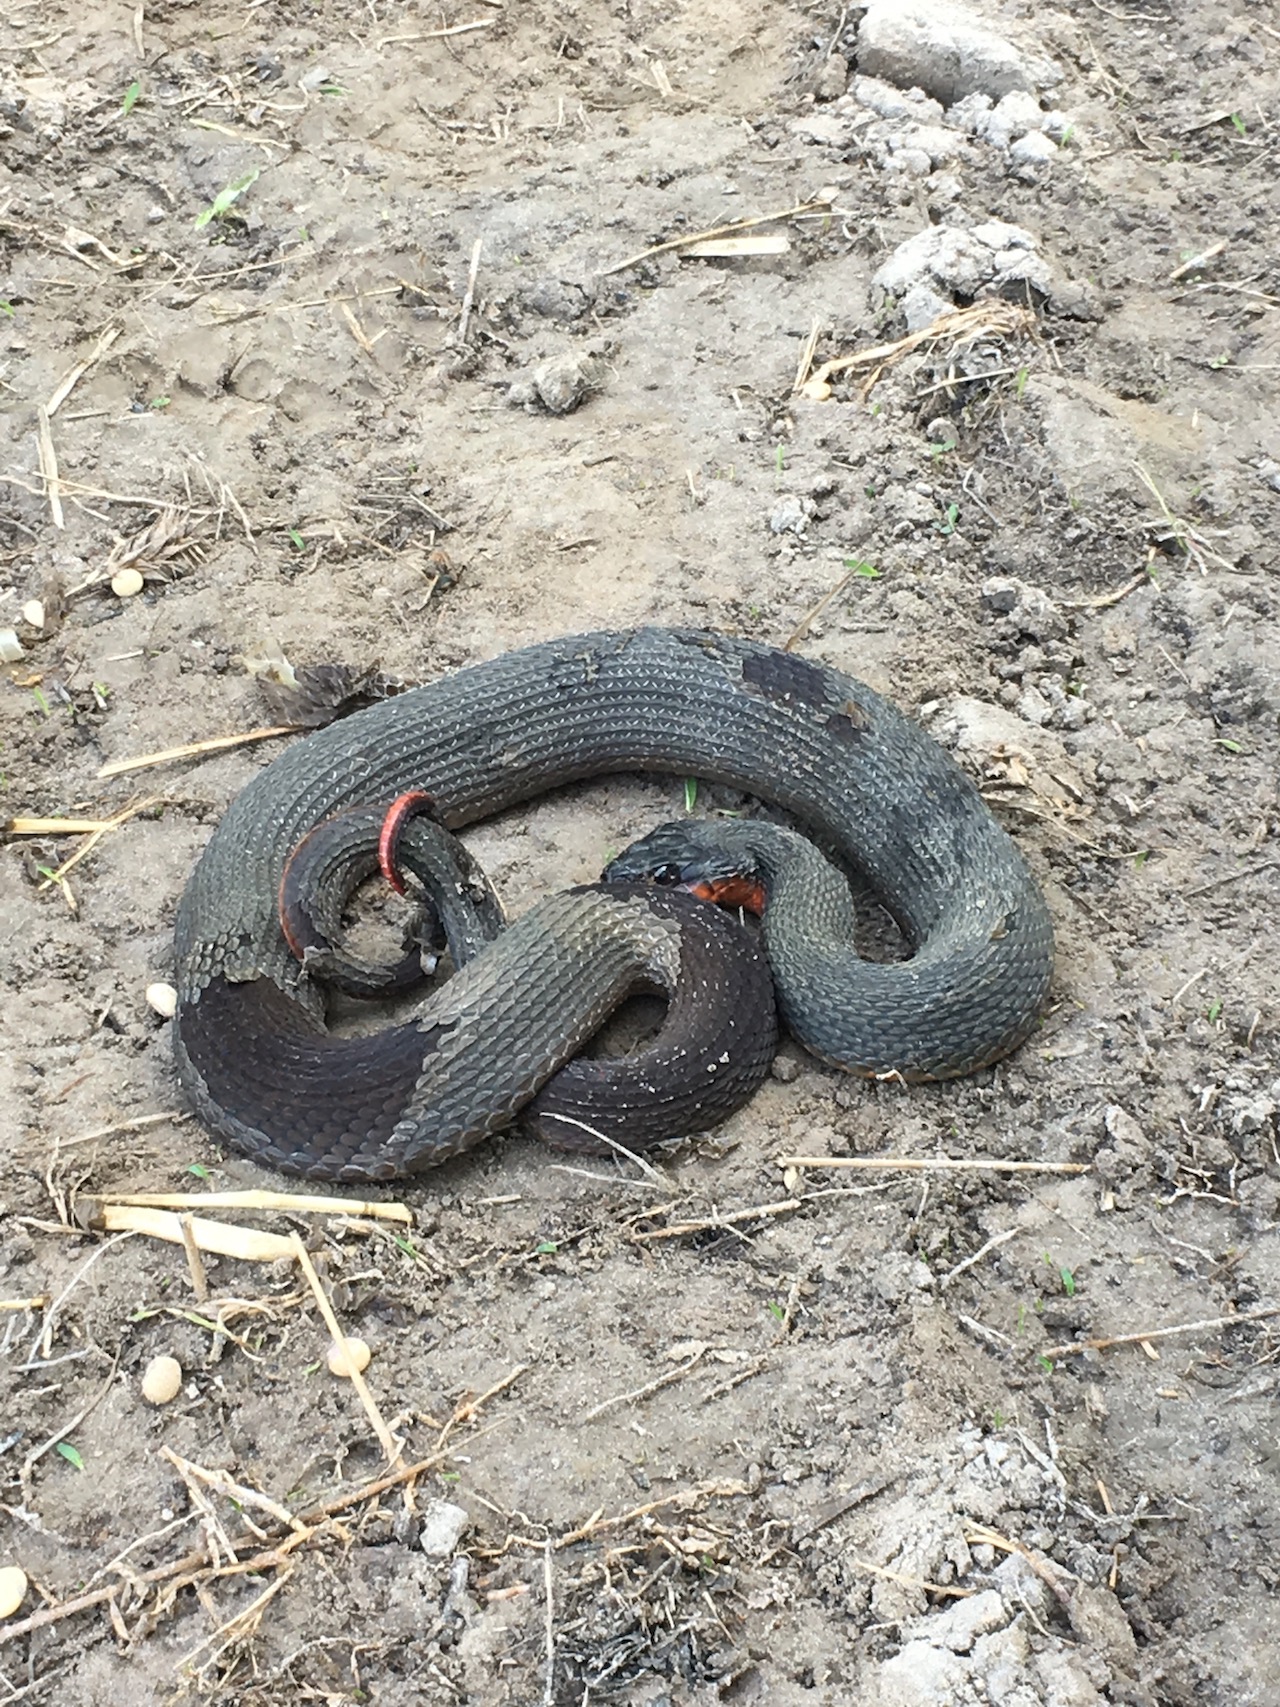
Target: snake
x=583, y=949
x=867, y=783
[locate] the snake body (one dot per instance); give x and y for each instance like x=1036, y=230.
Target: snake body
x=870, y=784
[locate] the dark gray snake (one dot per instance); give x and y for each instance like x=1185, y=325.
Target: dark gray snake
x=870, y=785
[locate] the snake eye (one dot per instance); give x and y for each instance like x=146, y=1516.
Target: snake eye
x=668, y=874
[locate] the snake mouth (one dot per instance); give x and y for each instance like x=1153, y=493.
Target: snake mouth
x=734, y=891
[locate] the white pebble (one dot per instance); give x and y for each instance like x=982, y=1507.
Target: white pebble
x=352, y=1352
x=163, y=998
x=13, y=1589
x=161, y=1380
x=125, y=583
x=11, y=648
x=33, y=613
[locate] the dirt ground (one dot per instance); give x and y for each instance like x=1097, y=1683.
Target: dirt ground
x=818, y=1447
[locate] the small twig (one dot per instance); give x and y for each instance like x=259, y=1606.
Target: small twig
x=645, y=1167
x=49, y=466
x=920, y=1164
x=910, y=1582
x=56, y=826
x=469, y=1407
x=199, y=1558
x=43, y=1341
x=94, y=837
x=242, y=1496
x=716, y=231
x=199, y=1281
x=1234, y=877
x=292, y=1203
x=1193, y=980
x=649, y=1387
x=468, y=300
x=597, y=1522
x=1210, y=1325
x=802, y=627
x=1198, y=260
x=137, y=1125
x=437, y=35
x=78, y=372
x=806, y=355
x=234, y=1627
x=389, y=1445
x=1104, y=600
x=681, y=1228
x=549, y=1691
x=194, y=749
x=979, y=1532
x=971, y=1261
x=37, y=1452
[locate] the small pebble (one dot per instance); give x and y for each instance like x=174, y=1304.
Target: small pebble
x=13, y=1589
x=351, y=1352
x=33, y=613
x=11, y=648
x=443, y=1526
x=163, y=998
x=161, y=1380
x=125, y=583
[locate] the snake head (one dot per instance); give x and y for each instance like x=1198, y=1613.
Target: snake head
x=710, y=859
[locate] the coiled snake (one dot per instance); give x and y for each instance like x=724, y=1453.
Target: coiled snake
x=872, y=787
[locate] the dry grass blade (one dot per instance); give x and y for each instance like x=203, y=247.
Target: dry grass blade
x=77, y=373
x=710, y=1223
x=920, y=1164
x=197, y=749
x=716, y=231
x=198, y=1560
x=95, y=835
x=947, y=1589
x=1210, y=1325
x=49, y=467
x=649, y=1387
x=218, y=1237
x=991, y=318
x=170, y=536
x=1179, y=530
x=388, y=1442
x=57, y=826
x=294, y=1203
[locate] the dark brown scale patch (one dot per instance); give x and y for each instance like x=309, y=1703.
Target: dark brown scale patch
x=786, y=680
x=850, y=723
x=264, y=1067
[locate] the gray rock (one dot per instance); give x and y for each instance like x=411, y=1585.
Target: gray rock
x=944, y=49
x=832, y=76
x=1033, y=706
x=922, y=305
x=1013, y=116
x=971, y=113
x=790, y=515
x=913, y=161
x=920, y=1675
x=947, y=254
x=558, y=385
x=960, y=1625
x=1033, y=149
x=890, y=103
x=443, y=1526
x=832, y=130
